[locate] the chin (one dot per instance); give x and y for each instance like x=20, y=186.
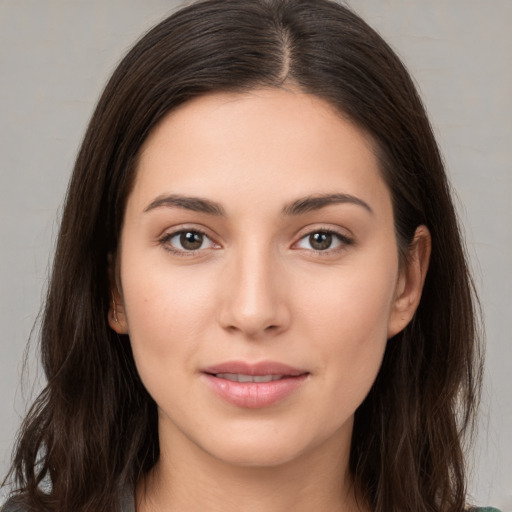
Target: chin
x=270, y=447
x=257, y=455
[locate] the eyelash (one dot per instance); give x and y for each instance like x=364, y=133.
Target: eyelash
x=343, y=239
x=164, y=241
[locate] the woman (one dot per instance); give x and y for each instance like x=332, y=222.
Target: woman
x=260, y=299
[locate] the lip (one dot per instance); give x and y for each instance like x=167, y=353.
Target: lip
x=254, y=395
x=260, y=368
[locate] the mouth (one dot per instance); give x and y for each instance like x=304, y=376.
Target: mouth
x=244, y=369
x=238, y=377
x=254, y=386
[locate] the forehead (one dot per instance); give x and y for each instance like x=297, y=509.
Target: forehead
x=264, y=145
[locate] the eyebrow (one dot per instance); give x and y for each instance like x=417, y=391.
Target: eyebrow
x=297, y=207
x=195, y=204
x=316, y=202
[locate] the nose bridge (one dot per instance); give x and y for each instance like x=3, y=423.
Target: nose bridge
x=253, y=302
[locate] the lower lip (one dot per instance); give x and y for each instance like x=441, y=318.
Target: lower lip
x=254, y=395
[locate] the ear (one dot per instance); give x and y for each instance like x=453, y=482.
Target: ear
x=410, y=281
x=116, y=312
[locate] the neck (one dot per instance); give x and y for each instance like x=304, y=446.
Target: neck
x=190, y=480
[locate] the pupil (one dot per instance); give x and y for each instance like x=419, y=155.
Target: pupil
x=191, y=240
x=320, y=241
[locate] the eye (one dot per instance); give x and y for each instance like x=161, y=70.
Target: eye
x=323, y=241
x=186, y=240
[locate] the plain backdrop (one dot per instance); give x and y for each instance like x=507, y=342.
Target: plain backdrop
x=55, y=56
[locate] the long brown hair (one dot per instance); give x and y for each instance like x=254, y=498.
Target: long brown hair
x=93, y=429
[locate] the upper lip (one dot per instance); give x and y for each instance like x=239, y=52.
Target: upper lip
x=260, y=368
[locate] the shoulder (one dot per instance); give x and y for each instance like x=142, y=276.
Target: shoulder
x=484, y=509
x=12, y=507
x=127, y=505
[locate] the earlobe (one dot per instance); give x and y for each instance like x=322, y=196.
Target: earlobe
x=116, y=312
x=116, y=315
x=410, y=281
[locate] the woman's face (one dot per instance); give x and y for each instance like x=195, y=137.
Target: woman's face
x=258, y=276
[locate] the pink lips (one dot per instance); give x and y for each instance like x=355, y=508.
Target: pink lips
x=223, y=380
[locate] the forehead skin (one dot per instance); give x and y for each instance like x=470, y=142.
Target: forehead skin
x=215, y=127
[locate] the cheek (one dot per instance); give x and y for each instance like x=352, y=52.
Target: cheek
x=353, y=300
x=350, y=331
x=348, y=318
x=167, y=313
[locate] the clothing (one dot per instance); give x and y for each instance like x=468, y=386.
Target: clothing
x=128, y=504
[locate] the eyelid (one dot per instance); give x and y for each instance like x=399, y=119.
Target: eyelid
x=344, y=240
x=168, y=235
x=342, y=236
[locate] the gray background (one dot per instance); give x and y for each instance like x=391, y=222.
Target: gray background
x=55, y=56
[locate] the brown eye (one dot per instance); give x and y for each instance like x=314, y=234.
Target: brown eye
x=320, y=241
x=191, y=240
x=186, y=241
x=324, y=241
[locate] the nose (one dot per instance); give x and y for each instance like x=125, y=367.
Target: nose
x=254, y=301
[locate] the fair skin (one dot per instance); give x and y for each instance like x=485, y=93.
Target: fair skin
x=263, y=275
